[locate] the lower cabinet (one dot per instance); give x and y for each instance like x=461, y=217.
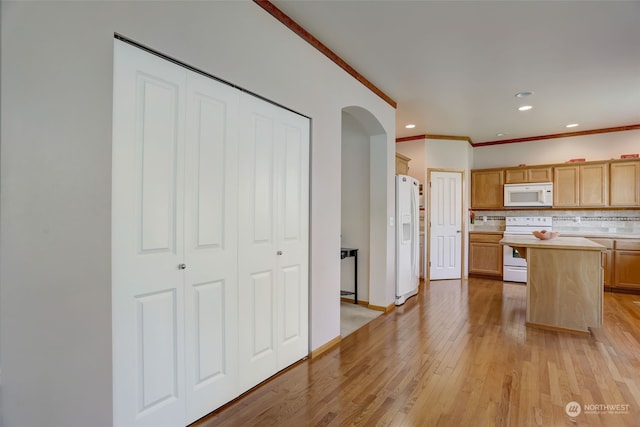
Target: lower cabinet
x=621, y=264
x=627, y=265
x=485, y=254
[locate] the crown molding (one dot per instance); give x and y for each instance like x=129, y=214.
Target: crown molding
x=309, y=38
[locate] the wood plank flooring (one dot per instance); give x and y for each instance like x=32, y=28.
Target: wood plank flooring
x=458, y=354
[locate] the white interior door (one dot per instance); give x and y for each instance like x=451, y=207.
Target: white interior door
x=445, y=209
x=211, y=249
x=273, y=244
x=147, y=249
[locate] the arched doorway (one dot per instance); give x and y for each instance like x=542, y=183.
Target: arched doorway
x=364, y=179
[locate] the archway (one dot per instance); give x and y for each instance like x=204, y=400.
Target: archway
x=364, y=173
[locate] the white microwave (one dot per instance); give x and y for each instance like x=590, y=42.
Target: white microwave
x=538, y=194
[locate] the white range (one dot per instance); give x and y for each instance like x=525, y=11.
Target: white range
x=514, y=268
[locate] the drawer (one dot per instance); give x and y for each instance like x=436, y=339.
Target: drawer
x=627, y=245
x=485, y=237
x=608, y=243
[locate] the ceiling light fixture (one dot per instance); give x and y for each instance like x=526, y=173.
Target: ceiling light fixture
x=572, y=125
x=525, y=108
x=410, y=126
x=499, y=134
x=523, y=94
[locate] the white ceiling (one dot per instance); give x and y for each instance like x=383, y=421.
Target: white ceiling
x=453, y=67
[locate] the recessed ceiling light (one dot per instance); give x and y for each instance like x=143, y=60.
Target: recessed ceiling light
x=523, y=94
x=572, y=125
x=500, y=134
x=525, y=108
x=410, y=126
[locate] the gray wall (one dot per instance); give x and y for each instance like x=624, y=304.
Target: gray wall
x=56, y=83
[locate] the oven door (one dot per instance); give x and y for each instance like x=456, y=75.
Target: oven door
x=511, y=257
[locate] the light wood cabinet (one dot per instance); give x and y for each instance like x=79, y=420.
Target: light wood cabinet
x=627, y=264
x=528, y=174
x=598, y=184
x=485, y=254
x=607, y=260
x=402, y=164
x=581, y=185
x=487, y=189
x=624, y=183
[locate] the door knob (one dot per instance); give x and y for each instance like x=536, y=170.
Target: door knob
x=279, y=252
x=182, y=266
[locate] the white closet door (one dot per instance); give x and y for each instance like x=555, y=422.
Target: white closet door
x=147, y=248
x=293, y=240
x=273, y=239
x=211, y=250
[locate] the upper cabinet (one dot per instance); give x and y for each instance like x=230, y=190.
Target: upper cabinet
x=584, y=185
x=624, y=184
x=487, y=189
x=598, y=184
x=528, y=174
x=402, y=164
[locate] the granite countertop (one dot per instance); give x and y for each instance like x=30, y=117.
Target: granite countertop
x=557, y=243
x=601, y=235
x=572, y=234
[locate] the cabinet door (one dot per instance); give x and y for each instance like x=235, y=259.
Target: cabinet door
x=516, y=176
x=627, y=269
x=540, y=174
x=402, y=164
x=624, y=189
x=566, y=186
x=485, y=258
x=594, y=185
x=487, y=189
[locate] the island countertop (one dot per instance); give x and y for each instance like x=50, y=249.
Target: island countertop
x=557, y=243
x=564, y=282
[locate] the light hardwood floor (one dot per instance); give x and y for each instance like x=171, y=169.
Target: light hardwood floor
x=458, y=354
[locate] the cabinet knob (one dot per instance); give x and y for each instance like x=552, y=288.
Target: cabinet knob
x=182, y=266
x=279, y=252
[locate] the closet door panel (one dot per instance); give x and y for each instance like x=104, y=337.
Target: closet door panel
x=257, y=247
x=211, y=250
x=293, y=238
x=147, y=219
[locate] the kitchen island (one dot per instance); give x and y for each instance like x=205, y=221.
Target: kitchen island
x=564, y=282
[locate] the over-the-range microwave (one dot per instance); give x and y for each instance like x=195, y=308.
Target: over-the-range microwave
x=538, y=194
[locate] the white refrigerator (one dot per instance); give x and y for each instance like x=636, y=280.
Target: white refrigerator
x=407, y=237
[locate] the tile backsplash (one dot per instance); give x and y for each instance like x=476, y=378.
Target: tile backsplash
x=619, y=222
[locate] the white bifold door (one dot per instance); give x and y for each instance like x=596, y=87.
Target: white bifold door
x=209, y=241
